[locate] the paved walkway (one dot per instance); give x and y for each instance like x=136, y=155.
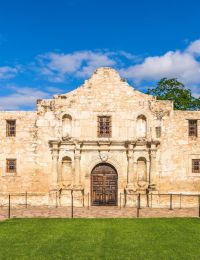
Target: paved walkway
x=94, y=212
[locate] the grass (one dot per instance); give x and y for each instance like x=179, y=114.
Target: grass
x=100, y=239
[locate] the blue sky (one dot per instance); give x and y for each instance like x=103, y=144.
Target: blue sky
x=50, y=47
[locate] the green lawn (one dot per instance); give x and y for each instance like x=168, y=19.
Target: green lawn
x=100, y=239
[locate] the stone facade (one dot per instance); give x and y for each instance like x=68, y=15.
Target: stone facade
x=57, y=147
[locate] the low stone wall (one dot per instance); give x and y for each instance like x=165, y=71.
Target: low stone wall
x=156, y=200
x=23, y=199
x=65, y=198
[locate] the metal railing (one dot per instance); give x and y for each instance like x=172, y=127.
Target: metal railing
x=138, y=205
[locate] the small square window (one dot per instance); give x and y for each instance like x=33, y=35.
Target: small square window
x=158, y=131
x=192, y=128
x=10, y=128
x=11, y=165
x=104, y=126
x=196, y=166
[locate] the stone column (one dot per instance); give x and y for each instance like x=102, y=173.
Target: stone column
x=54, y=167
x=153, y=173
x=134, y=171
x=60, y=172
x=148, y=171
x=77, y=187
x=130, y=168
x=134, y=166
x=77, y=168
x=130, y=188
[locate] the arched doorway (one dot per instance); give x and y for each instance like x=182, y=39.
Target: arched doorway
x=104, y=185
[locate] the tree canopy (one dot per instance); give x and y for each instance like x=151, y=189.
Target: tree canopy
x=172, y=89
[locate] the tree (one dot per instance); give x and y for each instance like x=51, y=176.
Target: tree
x=172, y=89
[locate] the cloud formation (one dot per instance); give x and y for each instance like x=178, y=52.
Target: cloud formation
x=7, y=72
x=21, y=96
x=56, y=67
x=59, y=67
x=181, y=64
x=194, y=48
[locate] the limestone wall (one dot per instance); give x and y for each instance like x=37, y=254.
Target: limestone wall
x=48, y=155
x=22, y=147
x=177, y=150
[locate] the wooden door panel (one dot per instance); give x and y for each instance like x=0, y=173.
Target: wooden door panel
x=104, y=185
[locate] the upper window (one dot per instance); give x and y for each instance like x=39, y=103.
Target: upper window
x=11, y=165
x=10, y=127
x=192, y=127
x=104, y=126
x=158, y=131
x=141, y=126
x=195, y=166
x=66, y=125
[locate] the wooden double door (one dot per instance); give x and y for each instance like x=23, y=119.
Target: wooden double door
x=104, y=185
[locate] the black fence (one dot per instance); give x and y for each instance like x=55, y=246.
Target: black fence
x=129, y=205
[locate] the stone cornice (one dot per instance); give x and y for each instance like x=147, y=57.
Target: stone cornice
x=54, y=145
x=104, y=145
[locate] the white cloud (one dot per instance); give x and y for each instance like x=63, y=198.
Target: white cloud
x=56, y=67
x=25, y=96
x=194, y=48
x=181, y=65
x=130, y=56
x=54, y=90
x=7, y=72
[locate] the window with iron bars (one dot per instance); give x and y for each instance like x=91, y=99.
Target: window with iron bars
x=10, y=127
x=104, y=126
x=196, y=165
x=11, y=165
x=192, y=128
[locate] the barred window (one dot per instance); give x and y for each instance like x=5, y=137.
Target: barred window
x=10, y=127
x=104, y=126
x=196, y=166
x=158, y=131
x=192, y=127
x=11, y=165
